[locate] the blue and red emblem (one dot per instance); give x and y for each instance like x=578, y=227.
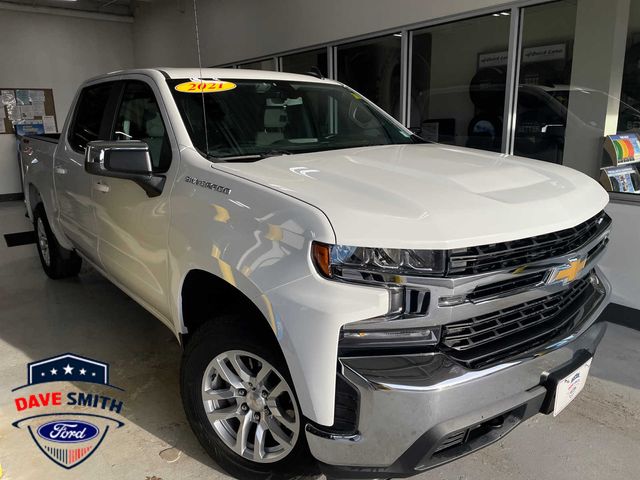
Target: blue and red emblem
x=68, y=438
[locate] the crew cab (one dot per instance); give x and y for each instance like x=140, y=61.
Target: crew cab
x=345, y=292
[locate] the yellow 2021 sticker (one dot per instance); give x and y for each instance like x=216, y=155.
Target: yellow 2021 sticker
x=205, y=86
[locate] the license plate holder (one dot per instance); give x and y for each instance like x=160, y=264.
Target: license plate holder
x=569, y=387
x=562, y=384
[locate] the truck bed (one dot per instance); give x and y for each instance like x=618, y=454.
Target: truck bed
x=46, y=137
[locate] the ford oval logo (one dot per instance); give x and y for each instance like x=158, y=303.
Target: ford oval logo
x=68, y=431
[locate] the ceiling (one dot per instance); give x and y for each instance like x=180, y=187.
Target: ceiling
x=113, y=7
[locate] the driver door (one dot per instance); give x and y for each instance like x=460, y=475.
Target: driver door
x=133, y=227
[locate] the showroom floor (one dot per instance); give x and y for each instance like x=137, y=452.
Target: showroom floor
x=597, y=437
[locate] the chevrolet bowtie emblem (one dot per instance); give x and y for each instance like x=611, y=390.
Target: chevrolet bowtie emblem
x=567, y=273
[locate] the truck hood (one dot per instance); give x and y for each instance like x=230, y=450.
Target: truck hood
x=430, y=196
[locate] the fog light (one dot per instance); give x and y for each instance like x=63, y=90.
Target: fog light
x=362, y=339
x=452, y=301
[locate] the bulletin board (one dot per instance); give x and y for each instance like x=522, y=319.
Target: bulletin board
x=27, y=111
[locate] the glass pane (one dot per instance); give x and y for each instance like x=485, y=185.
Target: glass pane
x=268, y=64
x=458, y=79
x=139, y=118
x=261, y=118
x=305, y=62
x=89, y=115
x=372, y=67
x=621, y=164
x=545, y=80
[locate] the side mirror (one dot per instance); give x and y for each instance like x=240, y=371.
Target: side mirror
x=126, y=159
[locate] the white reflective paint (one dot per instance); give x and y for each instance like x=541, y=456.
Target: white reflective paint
x=258, y=237
x=431, y=196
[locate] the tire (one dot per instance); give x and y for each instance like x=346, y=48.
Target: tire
x=206, y=366
x=56, y=261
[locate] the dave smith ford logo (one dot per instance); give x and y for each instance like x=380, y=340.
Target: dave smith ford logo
x=66, y=436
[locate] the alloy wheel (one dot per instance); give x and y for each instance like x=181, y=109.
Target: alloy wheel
x=43, y=242
x=251, y=406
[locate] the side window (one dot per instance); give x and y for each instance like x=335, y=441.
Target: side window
x=139, y=118
x=89, y=115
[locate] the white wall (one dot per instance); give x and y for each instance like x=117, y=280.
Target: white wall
x=39, y=50
x=621, y=263
x=232, y=31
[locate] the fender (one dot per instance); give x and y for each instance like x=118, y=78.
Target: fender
x=259, y=240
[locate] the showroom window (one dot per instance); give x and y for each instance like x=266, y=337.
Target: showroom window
x=267, y=64
x=533, y=81
x=458, y=77
x=372, y=67
x=545, y=80
x=622, y=174
x=305, y=62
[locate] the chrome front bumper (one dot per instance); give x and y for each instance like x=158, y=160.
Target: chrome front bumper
x=413, y=406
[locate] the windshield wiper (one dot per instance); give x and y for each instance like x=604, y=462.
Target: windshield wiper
x=253, y=156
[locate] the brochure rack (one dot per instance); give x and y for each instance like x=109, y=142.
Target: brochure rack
x=621, y=160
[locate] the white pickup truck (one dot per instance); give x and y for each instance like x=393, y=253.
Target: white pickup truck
x=344, y=291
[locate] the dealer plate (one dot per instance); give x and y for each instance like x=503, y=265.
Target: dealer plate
x=570, y=386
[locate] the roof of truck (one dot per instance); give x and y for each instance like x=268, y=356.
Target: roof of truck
x=222, y=73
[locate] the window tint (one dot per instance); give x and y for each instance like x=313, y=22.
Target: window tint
x=139, y=118
x=264, y=117
x=89, y=115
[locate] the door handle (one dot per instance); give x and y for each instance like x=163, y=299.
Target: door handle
x=101, y=187
x=60, y=170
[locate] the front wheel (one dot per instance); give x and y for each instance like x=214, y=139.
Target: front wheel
x=56, y=261
x=239, y=400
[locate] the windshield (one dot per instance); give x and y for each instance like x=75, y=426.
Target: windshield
x=260, y=118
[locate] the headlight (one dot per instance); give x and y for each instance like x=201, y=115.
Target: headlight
x=364, y=263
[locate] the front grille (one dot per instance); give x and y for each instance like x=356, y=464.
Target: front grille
x=488, y=338
x=452, y=440
x=507, y=287
x=500, y=256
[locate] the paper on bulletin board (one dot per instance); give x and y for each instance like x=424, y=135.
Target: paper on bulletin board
x=49, y=123
x=38, y=109
x=26, y=112
x=29, y=127
x=13, y=112
x=7, y=97
x=22, y=97
x=36, y=96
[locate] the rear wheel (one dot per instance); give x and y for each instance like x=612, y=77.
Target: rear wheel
x=240, y=402
x=57, y=262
